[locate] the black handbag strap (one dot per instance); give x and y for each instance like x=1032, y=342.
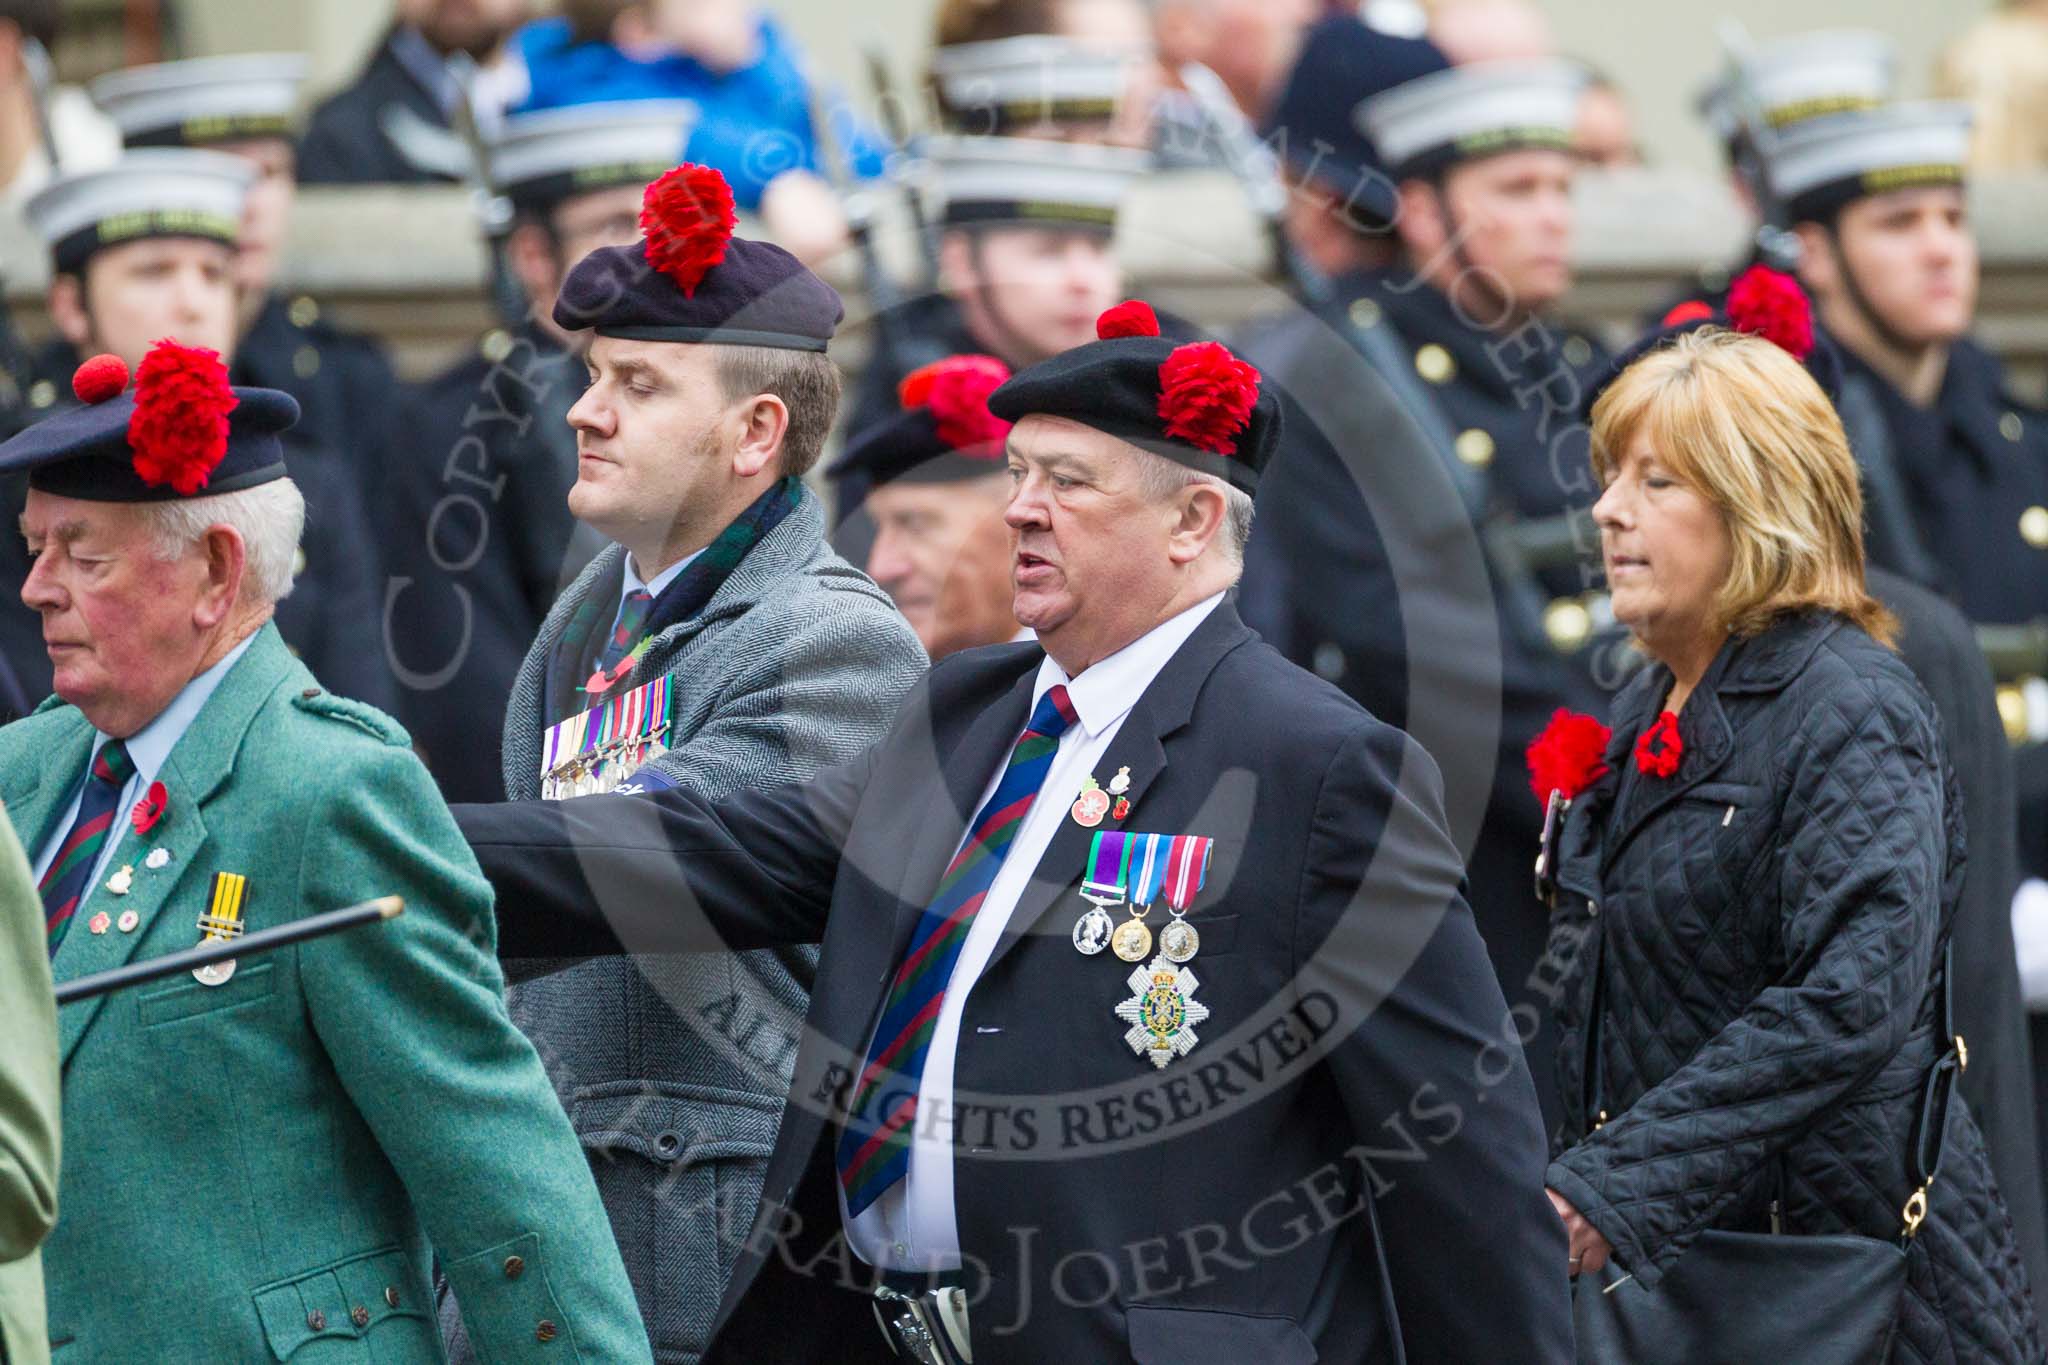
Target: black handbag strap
x=1930, y=1128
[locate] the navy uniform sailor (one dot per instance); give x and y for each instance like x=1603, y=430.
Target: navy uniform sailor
x=1026, y=260
x=1762, y=92
x=245, y=105
x=1308, y=927
x=1439, y=402
x=263, y=1163
x=482, y=540
x=1877, y=198
x=715, y=644
x=145, y=250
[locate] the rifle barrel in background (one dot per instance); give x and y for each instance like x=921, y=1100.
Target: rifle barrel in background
x=248, y=945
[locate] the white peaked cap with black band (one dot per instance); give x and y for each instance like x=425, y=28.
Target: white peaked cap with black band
x=1027, y=181
x=204, y=100
x=150, y=192
x=1422, y=126
x=1010, y=83
x=554, y=154
x=1819, y=166
x=1802, y=76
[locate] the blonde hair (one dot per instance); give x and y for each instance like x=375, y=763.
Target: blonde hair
x=1743, y=424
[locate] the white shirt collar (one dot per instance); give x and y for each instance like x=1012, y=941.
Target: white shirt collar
x=150, y=747
x=631, y=583
x=1106, y=691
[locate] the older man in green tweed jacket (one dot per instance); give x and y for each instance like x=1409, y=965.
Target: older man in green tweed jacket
x=262, y=1164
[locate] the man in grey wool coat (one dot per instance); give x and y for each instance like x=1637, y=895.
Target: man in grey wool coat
x=716, y=644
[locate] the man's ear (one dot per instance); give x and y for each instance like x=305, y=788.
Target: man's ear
x=766, y=424
x=957, y=274
x=1819, y=271
x=530, y=255
x=67, y=310
x=1203, y=512
x=226, y=558
x=1420, y=220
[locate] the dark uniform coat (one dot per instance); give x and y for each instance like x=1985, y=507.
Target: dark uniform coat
x=346, y=142
x=1758, y=940
x=479, y=545
x=1341, y=1169
x=1370, y=563
x=343, y=381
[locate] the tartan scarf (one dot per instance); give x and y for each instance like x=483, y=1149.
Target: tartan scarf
x=590, y=623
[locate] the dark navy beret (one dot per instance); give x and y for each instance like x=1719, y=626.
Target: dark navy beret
x=1192, y=402
x=944, y=433
x=689, y=279
x=1761, y=302
x=1315, y=124
x=189, y=441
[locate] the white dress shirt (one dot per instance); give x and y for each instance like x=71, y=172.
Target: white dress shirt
x=912, y=1226
x=148, y=748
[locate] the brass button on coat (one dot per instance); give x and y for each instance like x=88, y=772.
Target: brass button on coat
x=1434, y=363
x=1365, y=313
x=2034, y=527
x=515, y=1266
x=544, y=1332
x=2011, y=427
x=1475, y=447
x=391, y=1295
x=359, y=1315
x=317, y=1320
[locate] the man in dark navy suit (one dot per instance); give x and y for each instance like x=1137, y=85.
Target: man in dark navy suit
x=1149, y=1023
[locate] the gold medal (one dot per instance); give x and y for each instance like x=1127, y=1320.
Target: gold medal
x=1132, y=940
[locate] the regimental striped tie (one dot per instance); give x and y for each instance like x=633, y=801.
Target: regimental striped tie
x=874, y=1149
x=69, y=875
x=632, y=616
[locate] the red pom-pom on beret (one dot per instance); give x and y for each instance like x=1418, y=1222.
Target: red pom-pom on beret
x=179, y=429
x=99, y=379
x=956, y=391
x=1770, y=304
x=1131, y=318
x=1692, y=310
x=687, y=217
x=1206, y=396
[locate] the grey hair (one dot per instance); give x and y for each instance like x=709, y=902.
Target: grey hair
x=1161, y=478
x=269, y=517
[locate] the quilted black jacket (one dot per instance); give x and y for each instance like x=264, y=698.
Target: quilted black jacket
x=1759, y=935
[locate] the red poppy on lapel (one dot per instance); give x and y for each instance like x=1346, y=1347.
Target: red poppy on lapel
x=1568, y=757
x=1659, y=748
x=150, y=808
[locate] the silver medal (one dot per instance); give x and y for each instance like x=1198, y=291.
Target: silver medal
x=1092, y=931
x=1179, y=940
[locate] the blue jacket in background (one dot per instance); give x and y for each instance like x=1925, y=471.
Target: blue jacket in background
x=753, y=124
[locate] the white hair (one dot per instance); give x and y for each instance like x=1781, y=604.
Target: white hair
x=269, y=518
x=1162, y=478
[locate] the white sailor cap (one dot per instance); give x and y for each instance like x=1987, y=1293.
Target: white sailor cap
x=1027, y=181
x=1788, y=80
x=1825, y=163
x=150, y=192
x=203, y=101
x=1467, y=112
x=1009, y=84
x=542, y=158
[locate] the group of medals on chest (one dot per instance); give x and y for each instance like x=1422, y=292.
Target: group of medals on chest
x=221, y=921
x=1133, y=872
